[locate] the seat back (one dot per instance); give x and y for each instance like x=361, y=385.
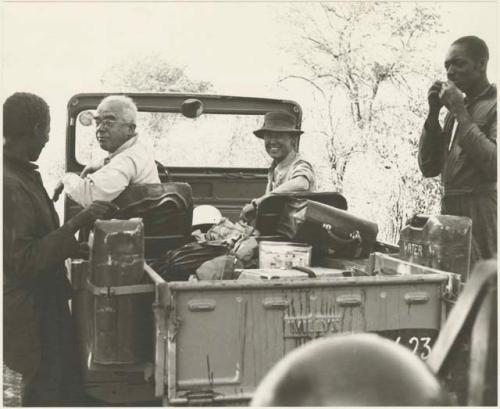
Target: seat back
x=166, y=210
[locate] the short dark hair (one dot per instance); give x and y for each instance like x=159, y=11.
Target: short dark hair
x=476, y=47
x=22, y=111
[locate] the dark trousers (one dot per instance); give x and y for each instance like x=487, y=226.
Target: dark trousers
x=482, y=209
x=56, y=382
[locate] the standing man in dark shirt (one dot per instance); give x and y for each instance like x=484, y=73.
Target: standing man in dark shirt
x=37, y=330
x=464, y=151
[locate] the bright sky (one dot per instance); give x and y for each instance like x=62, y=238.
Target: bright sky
x=58, y=49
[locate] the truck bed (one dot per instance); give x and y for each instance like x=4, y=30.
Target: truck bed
x=213, y=341
x=221, y=338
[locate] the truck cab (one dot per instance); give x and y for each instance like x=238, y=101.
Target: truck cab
x=211, y=342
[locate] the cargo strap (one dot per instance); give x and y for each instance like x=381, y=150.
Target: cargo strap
x=122, y=290
x=306, y=270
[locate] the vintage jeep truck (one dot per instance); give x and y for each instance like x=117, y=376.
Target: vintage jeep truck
x=211, y=342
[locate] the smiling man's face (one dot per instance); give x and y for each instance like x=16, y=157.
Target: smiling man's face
x=112, y=130
x=279, y=144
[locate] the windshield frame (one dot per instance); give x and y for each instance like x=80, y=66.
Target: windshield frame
x=171, y=103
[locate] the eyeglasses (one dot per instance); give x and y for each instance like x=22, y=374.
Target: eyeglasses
x=108, y=123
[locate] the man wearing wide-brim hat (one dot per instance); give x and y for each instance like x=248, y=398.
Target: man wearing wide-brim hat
x=289, y=172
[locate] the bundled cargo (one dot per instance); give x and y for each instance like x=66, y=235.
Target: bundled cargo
x=442, y=242
x=179, y=264
x=219, y=268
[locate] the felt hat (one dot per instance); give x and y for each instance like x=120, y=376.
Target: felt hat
x=278, y=121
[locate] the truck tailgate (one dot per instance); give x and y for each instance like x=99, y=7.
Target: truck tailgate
x=223, y=336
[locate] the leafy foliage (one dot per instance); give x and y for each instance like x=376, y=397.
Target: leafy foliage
x=151, y=73
x=177, y=140
x=368, y=66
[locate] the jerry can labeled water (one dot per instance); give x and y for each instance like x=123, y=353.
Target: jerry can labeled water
x=441, y=241
x=117, y=330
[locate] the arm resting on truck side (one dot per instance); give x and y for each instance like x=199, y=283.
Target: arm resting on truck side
x=296, y=184
x=104, y=184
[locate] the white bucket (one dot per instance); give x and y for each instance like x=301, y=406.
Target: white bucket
x=284, y=255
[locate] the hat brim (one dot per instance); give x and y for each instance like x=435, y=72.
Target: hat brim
x=259, y=133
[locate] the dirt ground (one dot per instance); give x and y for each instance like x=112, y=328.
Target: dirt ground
x=11, y=388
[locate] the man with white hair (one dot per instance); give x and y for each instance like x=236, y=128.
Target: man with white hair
x=129, y=162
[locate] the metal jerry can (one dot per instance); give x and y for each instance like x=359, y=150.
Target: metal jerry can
x=442, y=242
x=116, y=263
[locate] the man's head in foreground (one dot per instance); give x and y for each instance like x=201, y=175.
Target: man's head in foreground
x=350, y=370
x=26, y=125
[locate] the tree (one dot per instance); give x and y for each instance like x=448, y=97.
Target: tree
x=369, y=67
x=146, y=73
x=152, y=73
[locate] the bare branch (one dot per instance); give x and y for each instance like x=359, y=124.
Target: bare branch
x=333, y=10
x=308, y=80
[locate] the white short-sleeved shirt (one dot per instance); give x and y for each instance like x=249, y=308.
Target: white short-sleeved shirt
x=132, y=163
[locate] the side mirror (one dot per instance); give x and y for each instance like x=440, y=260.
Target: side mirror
x=86, y=118
x=192, y=108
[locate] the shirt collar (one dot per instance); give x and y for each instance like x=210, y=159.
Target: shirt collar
x=15, y=161
x=123, y=147
x=285, y=162
x=490, y=90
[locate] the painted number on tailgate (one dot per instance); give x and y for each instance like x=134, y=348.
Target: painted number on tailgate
x=419, y=341
x=418, y=344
